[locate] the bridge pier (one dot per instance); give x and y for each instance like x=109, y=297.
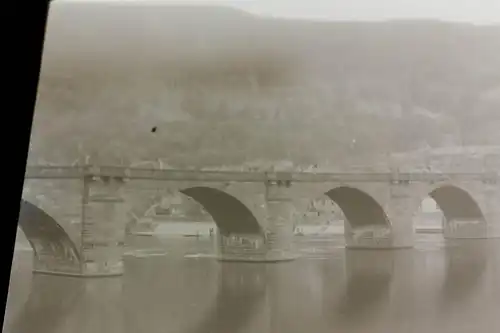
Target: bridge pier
x=102, y=231
x=397, y=230
x=275, y=241
x=103, y=227
x=48, y=264
x=369, y=237
x=279, y=224
x=492, y=199
x=240, y=247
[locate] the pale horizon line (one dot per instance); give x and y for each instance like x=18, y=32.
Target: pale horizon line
x=237, y=5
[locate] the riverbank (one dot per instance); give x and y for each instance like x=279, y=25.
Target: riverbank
x=202, y=229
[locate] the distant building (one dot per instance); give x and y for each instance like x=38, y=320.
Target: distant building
x=178, y=206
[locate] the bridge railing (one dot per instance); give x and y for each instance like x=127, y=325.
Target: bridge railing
x=75, y=172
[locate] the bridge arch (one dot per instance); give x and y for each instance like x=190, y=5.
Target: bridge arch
x=229, y=214
x=51, y=245
x=360, y=208
x=462, y=215
x=456, y=203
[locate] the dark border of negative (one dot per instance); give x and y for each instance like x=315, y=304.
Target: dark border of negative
x=24, y=29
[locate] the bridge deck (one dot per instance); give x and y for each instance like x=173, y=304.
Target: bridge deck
x=72, y=172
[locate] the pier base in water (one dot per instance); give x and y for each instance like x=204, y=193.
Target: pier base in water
x=249, y=248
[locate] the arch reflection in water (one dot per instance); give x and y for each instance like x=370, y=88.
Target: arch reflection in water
x=51, y=301
x=101, y=308
x=368, y=276
x=294, y=297
x=466, y=264
x=240, y=296
x=162, y=293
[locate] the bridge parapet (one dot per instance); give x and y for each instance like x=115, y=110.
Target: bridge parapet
x=174, y=175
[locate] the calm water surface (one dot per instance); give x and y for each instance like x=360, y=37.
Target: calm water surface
x=172, y=285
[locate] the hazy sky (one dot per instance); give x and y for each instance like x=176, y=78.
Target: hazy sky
x=476, y=11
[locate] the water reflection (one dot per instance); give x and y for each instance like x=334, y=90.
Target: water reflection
x=466, y=265
x=241, y=293
x=294, y=297
x=100, y=309
x=367, y=278
x=163, y=293
x=50, y=300
x=443, y=289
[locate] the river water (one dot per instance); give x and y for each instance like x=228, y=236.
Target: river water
x=175, y=286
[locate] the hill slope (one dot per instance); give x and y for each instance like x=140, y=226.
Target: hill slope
x=223, y=86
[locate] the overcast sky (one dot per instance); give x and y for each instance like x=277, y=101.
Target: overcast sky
x=475, y=11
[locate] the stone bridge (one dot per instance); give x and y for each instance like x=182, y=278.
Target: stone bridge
x=75, y=217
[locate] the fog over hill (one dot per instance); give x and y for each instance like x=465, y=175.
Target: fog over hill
x=223, y=86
